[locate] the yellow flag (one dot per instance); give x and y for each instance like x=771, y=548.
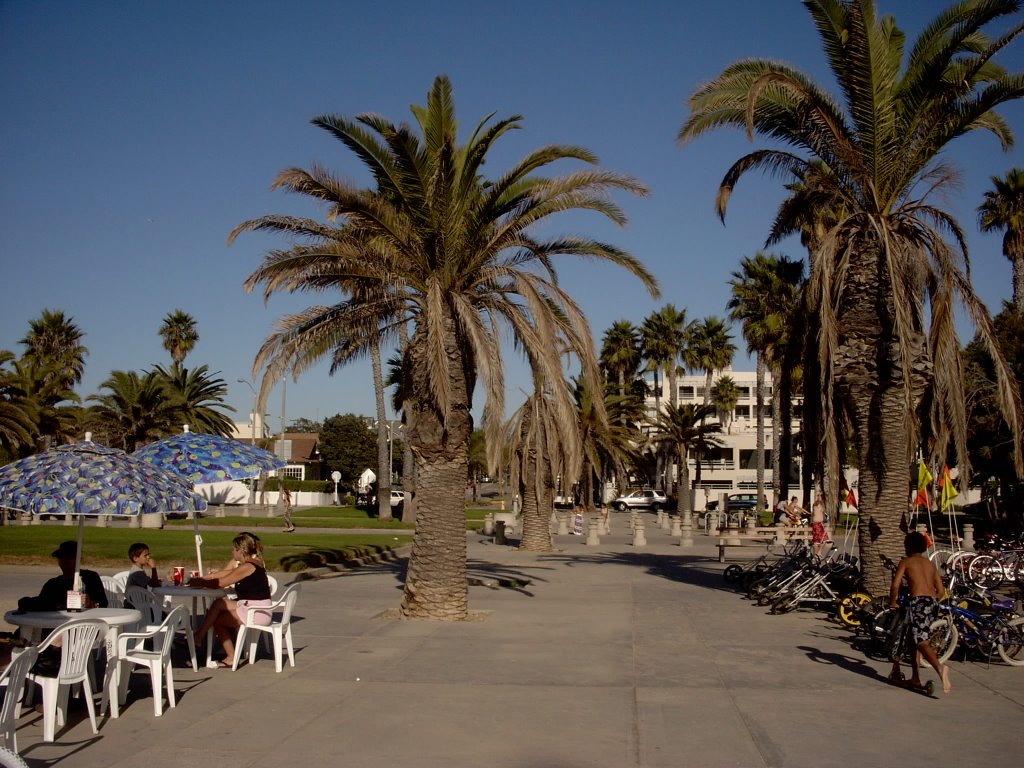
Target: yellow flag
x=924, y=479
x=948, y=491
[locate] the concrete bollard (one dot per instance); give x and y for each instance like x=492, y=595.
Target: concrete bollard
x=563, y=524
x=666, y=521
x=632, y=520
x=135, y=521
x=27, y=518
x=101, y=521
x=968, y=540
x=220, y=512
x=245, y=511
x=68, y=519
x=489, y=524
x=639, y=540
x=659, y=516
x=676, y=528
x=593, y=539
x=686, y=530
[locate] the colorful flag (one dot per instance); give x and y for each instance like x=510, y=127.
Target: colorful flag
x=948, y=491
x=924, y=479
x=846, y=491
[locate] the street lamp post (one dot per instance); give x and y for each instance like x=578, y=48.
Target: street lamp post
x=255, y=398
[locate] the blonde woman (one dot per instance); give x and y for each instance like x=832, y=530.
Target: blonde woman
x=249, y=578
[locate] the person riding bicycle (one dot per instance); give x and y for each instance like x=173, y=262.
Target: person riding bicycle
x=926, y=589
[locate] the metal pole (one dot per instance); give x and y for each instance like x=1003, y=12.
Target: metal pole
x=253, y=483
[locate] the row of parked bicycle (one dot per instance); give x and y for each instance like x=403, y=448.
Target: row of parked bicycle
x=974, y=619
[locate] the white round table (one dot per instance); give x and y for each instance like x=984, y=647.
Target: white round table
x=115, y=618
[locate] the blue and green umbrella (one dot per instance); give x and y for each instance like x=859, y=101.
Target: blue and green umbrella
x=86, y=478
x=202, y=458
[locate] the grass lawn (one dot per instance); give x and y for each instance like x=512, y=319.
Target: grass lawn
x=107, y=548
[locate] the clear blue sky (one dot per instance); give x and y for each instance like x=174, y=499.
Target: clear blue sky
x=135, y=136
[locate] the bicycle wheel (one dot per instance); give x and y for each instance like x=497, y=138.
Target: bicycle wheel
x=1011, y=642
x=956, y=565
x=895, y=645
x=944, y=637
x=851, y=609
x=985, y=571
x=732, y=573
x=1018, y=572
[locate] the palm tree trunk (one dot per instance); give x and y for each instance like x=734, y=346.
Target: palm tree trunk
x=779, y=482
x=435, y=585
x=383, y=457
x=536, y=488
x=408, y=465
x=759, y=404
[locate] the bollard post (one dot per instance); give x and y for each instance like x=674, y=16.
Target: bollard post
x=488, y=524
x=101, y=521
x=686, y=530
x=968, y=540
x=563, y=524
x=67, y=519
x=666, y=521
x=677, y=530
x=639, y=540
x=593, y=539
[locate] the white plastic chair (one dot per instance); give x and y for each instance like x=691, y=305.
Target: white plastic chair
x=152, y=609
x=114, y=590
x=273, y=585
x=78, y=638
x=9, y=759
x=121, y=577
x=13, y=679
x=132, y=650
x=280, y=631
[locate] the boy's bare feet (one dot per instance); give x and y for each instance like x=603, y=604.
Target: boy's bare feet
x=947, y=686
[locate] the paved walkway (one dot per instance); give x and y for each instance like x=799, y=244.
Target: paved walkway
x=605, y=656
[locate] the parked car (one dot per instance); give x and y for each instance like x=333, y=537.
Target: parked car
x=397, y=499
x=645, y=497
x=737, y=502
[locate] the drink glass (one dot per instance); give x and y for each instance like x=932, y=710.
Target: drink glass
x=179, y=575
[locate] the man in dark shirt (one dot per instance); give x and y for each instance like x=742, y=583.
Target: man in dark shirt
x=54, y=594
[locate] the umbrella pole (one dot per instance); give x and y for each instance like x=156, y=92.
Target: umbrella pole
x=199, y=542
x=77, y=586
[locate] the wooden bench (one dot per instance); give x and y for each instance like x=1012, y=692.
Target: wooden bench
x=735, y=537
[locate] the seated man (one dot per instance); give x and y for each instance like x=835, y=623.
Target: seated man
x=54, y=594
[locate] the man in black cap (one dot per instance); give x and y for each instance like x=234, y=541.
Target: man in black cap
x=54, y=595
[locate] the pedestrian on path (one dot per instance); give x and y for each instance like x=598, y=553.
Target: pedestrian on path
x=286, y=497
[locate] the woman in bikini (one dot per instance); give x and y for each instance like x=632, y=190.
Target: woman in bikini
x=252, y=590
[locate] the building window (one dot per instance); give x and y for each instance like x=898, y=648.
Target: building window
x=686, y=392
x=742, y=411
x=744, y=393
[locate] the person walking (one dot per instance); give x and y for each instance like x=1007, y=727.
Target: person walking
x=286, y=498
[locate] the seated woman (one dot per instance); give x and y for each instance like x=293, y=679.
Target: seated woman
x=249, y=578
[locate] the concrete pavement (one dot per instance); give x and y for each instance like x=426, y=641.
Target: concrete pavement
x=593, y=656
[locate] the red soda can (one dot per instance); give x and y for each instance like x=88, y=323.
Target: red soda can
x=179, y=575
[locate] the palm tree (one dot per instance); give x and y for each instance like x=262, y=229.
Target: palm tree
x=884, y=280
x=1004, y=209
x=16, y=422
x=132, y=410
x=663, y=337
x=620, y=353
x=710, y=350
x=683, y=428
x=438, y=244
x=764, y=300
x=195, y=397
x=179, y=335
x=724, y=396
x=54, y=343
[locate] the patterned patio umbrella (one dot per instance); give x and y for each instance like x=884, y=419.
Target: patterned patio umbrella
x=202, y=458
x=86, y=478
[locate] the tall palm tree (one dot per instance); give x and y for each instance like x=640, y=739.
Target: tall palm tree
x=883, y=283
x=724, y=396
x=663, y=338
x=683, y=428
x=710, y=349
x=179, y=334
x=54, y=343
x=620, y=353
x=764, y=302
x=1004, y=209
x=438, y=244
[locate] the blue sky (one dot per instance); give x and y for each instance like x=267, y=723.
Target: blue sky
x=135, y=136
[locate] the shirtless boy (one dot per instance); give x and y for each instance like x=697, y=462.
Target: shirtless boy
x=925, y=590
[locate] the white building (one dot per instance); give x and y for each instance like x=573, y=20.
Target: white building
x=732, y=467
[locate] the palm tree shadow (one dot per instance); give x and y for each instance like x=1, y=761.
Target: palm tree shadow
x=696, y=570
